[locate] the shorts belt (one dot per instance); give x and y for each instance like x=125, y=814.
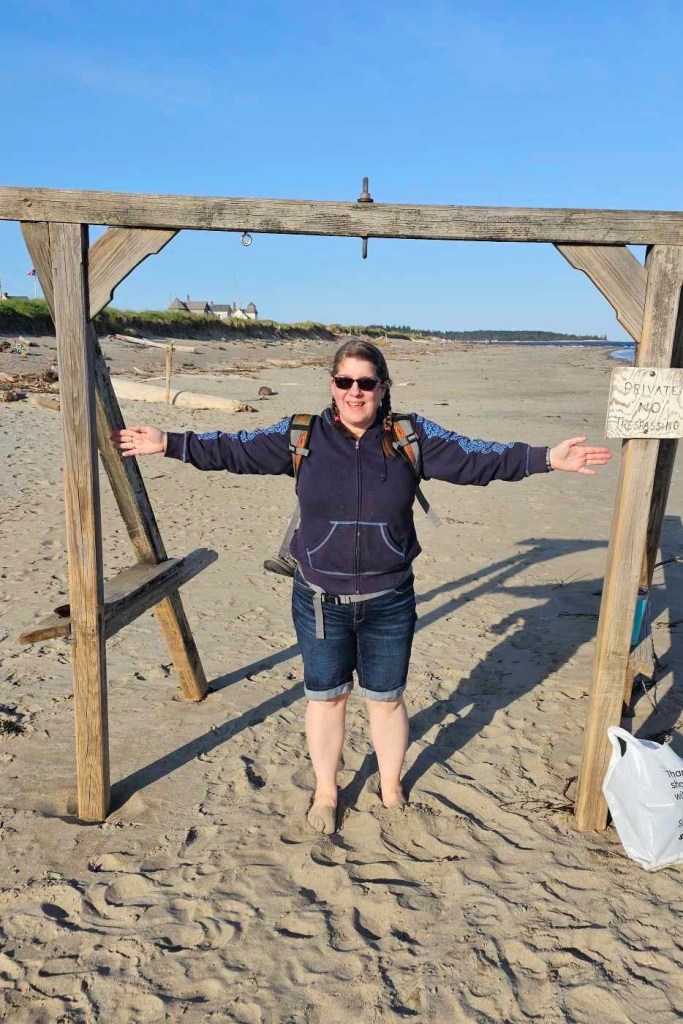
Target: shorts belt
x=320, y=598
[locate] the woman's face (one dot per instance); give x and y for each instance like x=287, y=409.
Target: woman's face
x=357, y=408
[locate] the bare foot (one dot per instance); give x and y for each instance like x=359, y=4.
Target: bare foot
x=323, y=814
x=394, y=797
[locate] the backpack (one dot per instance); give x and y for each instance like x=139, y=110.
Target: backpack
x=404, y=440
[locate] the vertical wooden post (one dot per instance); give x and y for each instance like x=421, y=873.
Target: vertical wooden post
x=69, y=247
x=666, y=458
x=169, y=371
x=627, y=546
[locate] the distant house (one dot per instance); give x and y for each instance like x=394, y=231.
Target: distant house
x=224, y=311
x=190, y=306
x=249, y=312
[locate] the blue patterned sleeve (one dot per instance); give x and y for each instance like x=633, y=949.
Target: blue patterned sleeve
x=264, y=451
x=447, y=455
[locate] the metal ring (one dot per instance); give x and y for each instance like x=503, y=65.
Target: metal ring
x=246, y=238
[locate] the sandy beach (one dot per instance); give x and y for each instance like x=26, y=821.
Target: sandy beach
x=205, y=897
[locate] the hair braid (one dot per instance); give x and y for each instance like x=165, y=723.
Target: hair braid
x=387, y=425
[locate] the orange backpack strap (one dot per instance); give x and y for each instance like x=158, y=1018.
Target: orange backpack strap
x=406, y=443
x=299, y=432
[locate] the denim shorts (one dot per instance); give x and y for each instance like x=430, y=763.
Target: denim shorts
x=372, y=638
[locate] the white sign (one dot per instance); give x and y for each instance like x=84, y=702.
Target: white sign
x=645, y=402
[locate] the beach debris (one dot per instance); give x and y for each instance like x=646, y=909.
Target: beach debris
x=4, y=345
x=136, y=391
x=15, y=386
x=19, y=346
x=45, y=402
x=151, y=344
x=266, y=392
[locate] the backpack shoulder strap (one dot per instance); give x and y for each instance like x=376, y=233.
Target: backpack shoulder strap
x=300, y=427
x=407, y=444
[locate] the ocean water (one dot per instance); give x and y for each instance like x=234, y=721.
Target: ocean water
x=626, y=353
x=625, y=350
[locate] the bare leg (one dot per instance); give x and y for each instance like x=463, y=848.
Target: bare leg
x=389, y=734
x=325, y=724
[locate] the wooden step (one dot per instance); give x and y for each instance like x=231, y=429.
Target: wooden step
x=127, y=595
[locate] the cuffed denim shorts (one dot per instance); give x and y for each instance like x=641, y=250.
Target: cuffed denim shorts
x=373, y=638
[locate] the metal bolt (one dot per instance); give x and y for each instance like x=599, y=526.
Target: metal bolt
x=365, y=197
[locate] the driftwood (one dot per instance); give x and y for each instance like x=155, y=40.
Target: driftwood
x=151, y=344
x=45, y=402
x=136, y=391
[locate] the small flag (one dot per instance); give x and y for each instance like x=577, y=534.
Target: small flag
x=31, y=273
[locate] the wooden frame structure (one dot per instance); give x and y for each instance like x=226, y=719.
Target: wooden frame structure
x=78, y=282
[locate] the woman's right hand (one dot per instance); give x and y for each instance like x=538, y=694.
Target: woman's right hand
x=139, y=441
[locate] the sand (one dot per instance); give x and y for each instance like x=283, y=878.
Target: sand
x=205, y=896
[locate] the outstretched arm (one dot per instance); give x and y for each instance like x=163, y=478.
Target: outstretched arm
x=572, y=457
x=139, y=441
x=264, y=450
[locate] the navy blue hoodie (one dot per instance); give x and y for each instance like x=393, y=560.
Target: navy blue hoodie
x=356, y=534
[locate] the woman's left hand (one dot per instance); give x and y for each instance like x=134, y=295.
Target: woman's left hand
x=572, y=457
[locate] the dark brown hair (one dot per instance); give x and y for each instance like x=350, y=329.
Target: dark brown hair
x=357, y=349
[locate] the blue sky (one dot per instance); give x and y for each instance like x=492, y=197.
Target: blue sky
x=533, y=104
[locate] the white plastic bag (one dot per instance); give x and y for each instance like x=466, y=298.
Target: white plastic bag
x=644, y=792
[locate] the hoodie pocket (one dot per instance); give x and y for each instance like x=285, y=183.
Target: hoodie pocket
x=377, y=551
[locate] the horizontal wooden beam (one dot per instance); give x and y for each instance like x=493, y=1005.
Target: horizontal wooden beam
x=379, y=220
x=128, y=595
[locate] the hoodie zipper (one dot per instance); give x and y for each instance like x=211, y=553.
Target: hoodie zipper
x=357, y=542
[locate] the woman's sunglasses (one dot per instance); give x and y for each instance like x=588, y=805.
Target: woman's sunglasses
x=364, y=383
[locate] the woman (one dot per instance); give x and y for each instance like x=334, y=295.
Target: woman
x=353, y=602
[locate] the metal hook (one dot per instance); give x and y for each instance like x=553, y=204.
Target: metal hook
x=246, y=238
x=365, y=197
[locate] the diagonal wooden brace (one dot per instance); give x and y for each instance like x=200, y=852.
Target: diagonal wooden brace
x=618, y=275
x=115, y=255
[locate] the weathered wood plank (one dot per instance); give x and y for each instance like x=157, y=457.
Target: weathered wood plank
x=147, y=343
x=53, y=626
x=138, y=515
x=115, y=255
x=135, y=590
x=363, y=220
x=130, y=493
x=627, y=545
x=127, y=595
x=68, y=243
x=616, y=272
